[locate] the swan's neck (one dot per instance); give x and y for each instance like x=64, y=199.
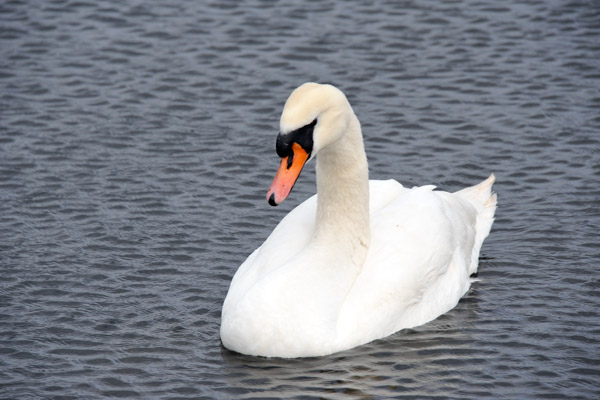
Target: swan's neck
x=343, y=201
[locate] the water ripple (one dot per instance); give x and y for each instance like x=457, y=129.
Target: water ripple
x=136, y=145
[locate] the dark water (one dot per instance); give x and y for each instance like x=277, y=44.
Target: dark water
x=137, y=144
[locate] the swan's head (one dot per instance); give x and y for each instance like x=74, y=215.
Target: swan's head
x=314, y=116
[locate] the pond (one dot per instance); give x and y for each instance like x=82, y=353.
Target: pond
x=137, y=144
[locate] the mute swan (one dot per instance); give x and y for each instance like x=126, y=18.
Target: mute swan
x=360, y=260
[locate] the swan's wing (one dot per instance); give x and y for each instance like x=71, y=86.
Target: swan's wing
x=382, y=193
x=417, y=265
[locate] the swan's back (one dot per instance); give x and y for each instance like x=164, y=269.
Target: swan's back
x=425, y=245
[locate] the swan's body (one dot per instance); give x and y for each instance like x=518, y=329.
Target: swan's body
x=360, y=260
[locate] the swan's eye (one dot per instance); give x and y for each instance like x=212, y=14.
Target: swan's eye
x=303, y=136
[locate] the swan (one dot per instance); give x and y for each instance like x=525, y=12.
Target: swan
x=361, y=259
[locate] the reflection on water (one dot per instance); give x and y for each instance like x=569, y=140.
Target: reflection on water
x=137, y=144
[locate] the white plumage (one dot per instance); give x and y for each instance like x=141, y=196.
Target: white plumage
x=360, y=260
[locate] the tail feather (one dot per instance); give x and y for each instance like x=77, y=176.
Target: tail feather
x=479, y=193
x=484, y=201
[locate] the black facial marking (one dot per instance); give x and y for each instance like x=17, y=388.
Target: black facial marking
x=303, y=136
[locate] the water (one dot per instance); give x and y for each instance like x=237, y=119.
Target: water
x=137, y=144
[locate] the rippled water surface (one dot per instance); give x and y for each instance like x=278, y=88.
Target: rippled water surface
x=137, y=144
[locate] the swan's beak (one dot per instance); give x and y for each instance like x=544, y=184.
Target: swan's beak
x=287, y=174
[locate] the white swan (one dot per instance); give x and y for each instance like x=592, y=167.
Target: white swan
x=360, y=260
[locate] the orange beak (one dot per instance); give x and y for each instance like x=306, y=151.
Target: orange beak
x=287, y=174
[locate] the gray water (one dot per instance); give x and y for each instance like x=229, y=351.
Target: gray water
x=137, y=144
